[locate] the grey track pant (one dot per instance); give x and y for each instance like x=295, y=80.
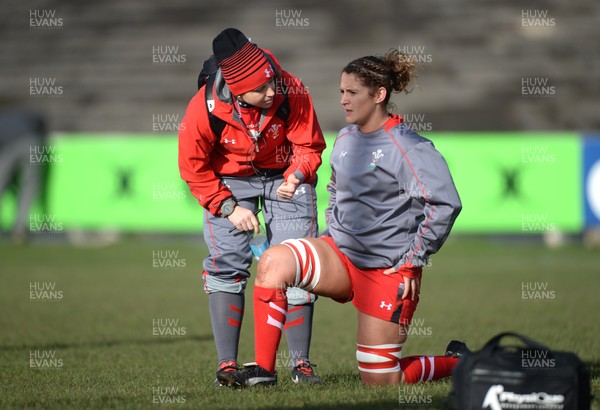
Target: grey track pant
x=226, y=267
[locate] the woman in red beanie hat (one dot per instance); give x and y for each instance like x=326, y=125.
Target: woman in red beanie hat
x=261, y=158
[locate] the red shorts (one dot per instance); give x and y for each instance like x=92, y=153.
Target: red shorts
x=376, y=294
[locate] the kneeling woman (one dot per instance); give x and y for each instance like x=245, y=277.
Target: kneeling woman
x=392, y=204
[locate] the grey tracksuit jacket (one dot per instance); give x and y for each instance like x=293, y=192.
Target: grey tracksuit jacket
x=392, y=198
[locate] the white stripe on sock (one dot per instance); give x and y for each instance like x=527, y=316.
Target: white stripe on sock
x=274, y=322
x=432, y=362
x=277, y=308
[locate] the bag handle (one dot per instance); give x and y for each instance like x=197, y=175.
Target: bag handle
x=494, y=343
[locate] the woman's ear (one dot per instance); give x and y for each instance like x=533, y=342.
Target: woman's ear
x=380, y=95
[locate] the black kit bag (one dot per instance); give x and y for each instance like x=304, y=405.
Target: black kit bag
x=520, y=377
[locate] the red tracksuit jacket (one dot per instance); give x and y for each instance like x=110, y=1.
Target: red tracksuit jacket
x=203, y=157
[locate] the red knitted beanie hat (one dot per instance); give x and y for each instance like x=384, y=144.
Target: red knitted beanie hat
x=243, y=65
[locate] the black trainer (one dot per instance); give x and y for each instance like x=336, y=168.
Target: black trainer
x=457, y=349
x=303, y=373
x=251, y=375
x=254, y=375
x=224, y=371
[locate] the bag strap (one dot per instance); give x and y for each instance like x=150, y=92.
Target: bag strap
x=494, y=343
x=209, y=67
x=217, y=125
x=283, y=111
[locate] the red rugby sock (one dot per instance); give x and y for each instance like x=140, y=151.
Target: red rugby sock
x=270, y=310
x=418, y=369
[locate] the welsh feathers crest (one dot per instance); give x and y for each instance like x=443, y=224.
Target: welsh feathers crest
x=377, y=155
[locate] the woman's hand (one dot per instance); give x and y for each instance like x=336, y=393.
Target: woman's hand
x=412, y=286
x=288, y=187
x=244, y=219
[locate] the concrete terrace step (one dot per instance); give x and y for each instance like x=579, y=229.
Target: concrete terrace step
x=103, y=56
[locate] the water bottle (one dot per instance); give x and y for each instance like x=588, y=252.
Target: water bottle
x=259, y=244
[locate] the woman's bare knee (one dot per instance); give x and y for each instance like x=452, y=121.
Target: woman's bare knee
x=380, y=379
x=276, y=268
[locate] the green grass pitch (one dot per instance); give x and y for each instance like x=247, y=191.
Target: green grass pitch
x=127, y=325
